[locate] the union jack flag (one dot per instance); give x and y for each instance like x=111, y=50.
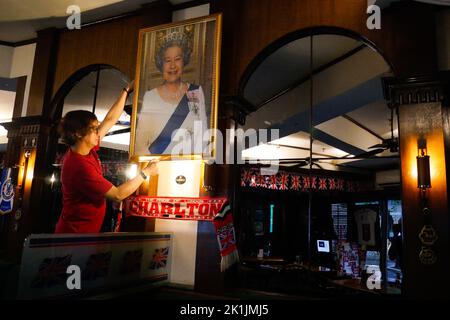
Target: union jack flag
x=52, y=271
x=333, y=184
x=340, y=185
x=97, y=266
x=131, y=262
x=273, y=182
x=313, y=182
x=226, y=236
x=246, y=177
x=243, y=184
x=322, y=183
x=283, y=180
x=305, y=182
x=159, y=259
x=260, y=181
x=295, y=182
x=253, y=182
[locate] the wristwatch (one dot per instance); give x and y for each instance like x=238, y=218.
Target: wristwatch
x=143, y=175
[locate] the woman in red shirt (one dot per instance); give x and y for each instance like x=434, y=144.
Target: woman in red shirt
x=83, y=185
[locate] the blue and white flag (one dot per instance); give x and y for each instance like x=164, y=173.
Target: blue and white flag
x=7, y=192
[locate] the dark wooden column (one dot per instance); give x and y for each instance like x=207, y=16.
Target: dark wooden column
x=423, y=115
x=20, y=94
x=27, y=140
x=24, y=154
x=43, y=72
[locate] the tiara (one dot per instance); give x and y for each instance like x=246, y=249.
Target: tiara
x=175, y=34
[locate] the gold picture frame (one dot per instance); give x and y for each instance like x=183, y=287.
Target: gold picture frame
x=156, y=110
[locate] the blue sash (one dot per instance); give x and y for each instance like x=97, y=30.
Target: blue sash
x=175, y=121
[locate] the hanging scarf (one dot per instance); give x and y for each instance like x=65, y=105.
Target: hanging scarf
x=226, y=237
x=212, y=209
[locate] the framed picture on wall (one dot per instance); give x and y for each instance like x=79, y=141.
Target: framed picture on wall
x=176, y=89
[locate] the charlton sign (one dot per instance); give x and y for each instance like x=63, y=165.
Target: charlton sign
x=204, y=208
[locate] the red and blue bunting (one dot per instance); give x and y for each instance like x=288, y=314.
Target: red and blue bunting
x=252, y=178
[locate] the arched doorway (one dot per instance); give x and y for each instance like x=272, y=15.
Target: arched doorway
x=335, y=202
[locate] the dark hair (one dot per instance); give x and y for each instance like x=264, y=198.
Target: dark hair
x=182, y=43
x=75, y=125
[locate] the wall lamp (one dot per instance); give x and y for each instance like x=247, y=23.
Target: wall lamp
x=427, y=235
x=423, y=166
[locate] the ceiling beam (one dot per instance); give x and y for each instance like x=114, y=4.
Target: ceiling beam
x=362, y=126
x=318, y=70
x=368, y=92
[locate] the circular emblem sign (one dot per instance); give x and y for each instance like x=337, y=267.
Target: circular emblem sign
x=180, y=179
x=427, y=256
x=427, y=235
x=7, y=190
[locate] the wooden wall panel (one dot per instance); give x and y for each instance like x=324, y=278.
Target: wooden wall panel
x=113, y=43
x=407, y=35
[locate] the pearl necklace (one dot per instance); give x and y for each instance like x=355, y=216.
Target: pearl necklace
x=175, y=95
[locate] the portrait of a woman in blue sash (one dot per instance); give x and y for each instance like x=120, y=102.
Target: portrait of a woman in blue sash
x=173, y=113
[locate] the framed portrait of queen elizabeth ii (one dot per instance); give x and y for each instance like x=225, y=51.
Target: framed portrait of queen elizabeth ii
x=176, y=89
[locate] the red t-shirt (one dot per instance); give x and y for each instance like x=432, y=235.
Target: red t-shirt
x=84, y=188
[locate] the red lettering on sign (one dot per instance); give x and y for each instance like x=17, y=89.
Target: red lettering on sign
x=203, y=209
x=154, y=209
x=178, y=210
x=192, y=207
x=143, y=207
x=166, y=208
x=214, y=208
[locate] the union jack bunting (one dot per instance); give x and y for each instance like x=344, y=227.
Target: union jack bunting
x=313, y=182
x=295, y=182
x=340, y=185
x=246, y=177
x=283, y=181
x=305, y=182
x=322, y=183
x=260, y=181
x=243, y=184
x=97, y=266
x=159, y=259
x=253, y=182
x=273, y=182
x=131, y=262
x=52, y=272
x=332, y=184
x=299, y=182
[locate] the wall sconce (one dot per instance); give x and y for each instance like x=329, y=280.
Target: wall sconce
x=423, y=166
x=427, y=235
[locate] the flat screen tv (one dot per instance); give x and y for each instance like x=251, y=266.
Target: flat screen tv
x=323, y=245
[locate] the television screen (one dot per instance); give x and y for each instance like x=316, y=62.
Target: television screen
x=323, y=246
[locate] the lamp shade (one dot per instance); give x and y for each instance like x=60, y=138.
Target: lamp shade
x=423, y=172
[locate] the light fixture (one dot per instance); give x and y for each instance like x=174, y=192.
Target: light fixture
x=423, y=166
x=427, y=235
x=132, y=171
